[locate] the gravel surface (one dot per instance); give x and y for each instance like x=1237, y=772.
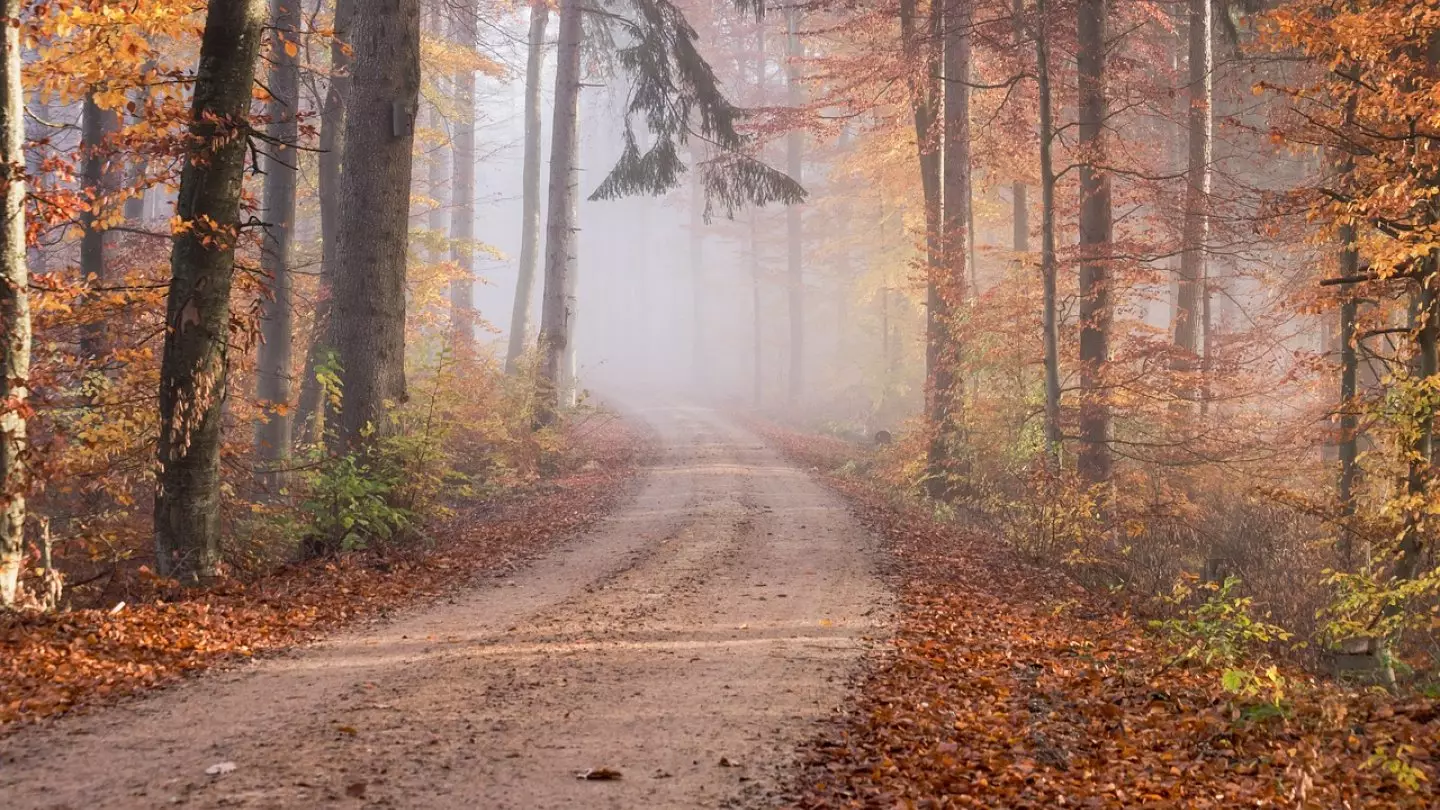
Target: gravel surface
x=687, y=644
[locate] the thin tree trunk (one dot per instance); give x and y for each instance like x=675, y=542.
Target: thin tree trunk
x=1349, y=449
x=757, y=339
x=530, y=204
x=14, y=312
x=100, y=182
x=1094, y=459
x=195, y=358
x=310, y=413
x=946, y=286
x=697, y=283
x=560, y=228
x=272, y=376
x=756, y=298
x=1191, y=332
x=369, y=314
x=438, y=176
x=794, y=235
x=462, y=223
x=1048, y=269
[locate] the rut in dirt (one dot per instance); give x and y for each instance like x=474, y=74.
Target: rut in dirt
x=689, y=644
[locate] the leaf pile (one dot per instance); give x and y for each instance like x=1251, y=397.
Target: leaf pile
x=1008, y=686
x=50, y=664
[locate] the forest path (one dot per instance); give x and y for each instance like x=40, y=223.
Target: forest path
x=689, y=642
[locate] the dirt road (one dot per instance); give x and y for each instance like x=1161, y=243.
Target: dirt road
x=688, y=643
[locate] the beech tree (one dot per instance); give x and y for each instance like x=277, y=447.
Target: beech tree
x=462, y=221
x=195, y=358
x=309, y=413
x=272, y=378
x=530, y=190
x=1094, y=461
x=368, y=319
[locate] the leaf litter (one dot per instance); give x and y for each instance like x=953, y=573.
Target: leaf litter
x=1008, y=686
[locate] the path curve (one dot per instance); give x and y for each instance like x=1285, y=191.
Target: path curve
x=689, y=642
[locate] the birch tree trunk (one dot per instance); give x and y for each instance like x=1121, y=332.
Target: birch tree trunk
x=15, y=334
x=369, y=316
x=462, y=221
x=272, y=375
x=794, y=233
x=946, y=284
x=310, y=414
x=530, y=194
x=560, y=228
x=195, y=358
x=1094, y=458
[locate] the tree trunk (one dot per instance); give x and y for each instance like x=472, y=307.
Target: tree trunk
x=438, y=175
x=14, y=313
x=462, y=222
x=1048, y=269
x=946, y=283
x=369, y=314
x=794, y=236
x=100, y=182
x=195, y=358
x=530, y=205
x=757, y=339
x=756, y=271
x=310, y=413
x=1094, y=459
x=560, y=228
x=272, y=375
x=698, y=368
x=1190, y=320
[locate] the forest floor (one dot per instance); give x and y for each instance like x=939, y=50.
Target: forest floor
x=674, y=655
x=1008, y=686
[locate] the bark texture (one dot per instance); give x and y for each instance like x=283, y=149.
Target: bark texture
x=530, y=194
x=1050, y=320
x=1189, y=317
x=195, y=357
x=1094, y=458
x=101, y=182
x=368, y=323
x=309, y=413
x=15, y=331
x=560, y=227
x=945, y=289
x=462, y=221
x=272, y=375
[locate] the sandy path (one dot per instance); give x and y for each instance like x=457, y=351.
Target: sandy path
x=714, y=617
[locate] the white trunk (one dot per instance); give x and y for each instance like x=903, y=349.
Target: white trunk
x=14, y=311
x=530, y=205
